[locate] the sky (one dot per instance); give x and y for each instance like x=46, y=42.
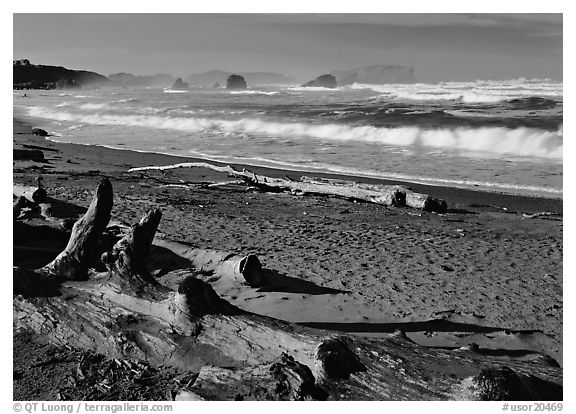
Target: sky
x=440, y=47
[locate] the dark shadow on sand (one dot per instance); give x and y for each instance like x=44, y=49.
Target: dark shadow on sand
x=36, y=246
x=517, y=353
x=38, y=147
x=278, y=282
x=519, y=349
x=62, y=209
x=163, y=260
x=434, y=325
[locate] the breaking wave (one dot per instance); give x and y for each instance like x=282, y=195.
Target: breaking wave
x=175, y=91
x=312, y=89
x=253, y=92
x=468, y=92
x=528, y=142
x=126, y=100
x=92, y=106
x=421, y=179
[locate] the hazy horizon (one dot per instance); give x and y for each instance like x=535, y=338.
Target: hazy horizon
x=441, y=47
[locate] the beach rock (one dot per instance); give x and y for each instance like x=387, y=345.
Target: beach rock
x=236, y=82
x=28, y=155
x=179, y=84
x=217, y=85
x=322, y=81
x=211, y=77
x=40, y=132
x=425, y=202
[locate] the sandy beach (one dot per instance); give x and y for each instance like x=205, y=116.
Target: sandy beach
x=358, y=268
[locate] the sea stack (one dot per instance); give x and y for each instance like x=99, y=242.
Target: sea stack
x=236, y=82
x=180, y=84
x=322, y=81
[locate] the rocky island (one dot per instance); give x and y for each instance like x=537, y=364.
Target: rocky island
x=236, y=82
x=322, y=81
x=179, y=84
x=212, y=77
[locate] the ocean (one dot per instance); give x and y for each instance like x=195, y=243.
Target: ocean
x=503, y=136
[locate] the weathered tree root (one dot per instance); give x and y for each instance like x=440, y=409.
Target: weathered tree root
x=78, y=256
x=126, y=257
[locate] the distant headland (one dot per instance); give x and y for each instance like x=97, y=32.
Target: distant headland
x=31, y=76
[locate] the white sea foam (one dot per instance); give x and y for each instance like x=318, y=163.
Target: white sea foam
x=312, y=89
x=92, y=106
x=467, y=97
x=175, y=91
x=253, y=92
x=522, y=141
x=468, y=92
x=125, y=100
x=181, y=112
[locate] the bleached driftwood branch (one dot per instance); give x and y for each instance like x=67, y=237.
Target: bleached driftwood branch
x=388, y=195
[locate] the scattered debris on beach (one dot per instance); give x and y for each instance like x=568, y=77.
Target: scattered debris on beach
x=101, y=296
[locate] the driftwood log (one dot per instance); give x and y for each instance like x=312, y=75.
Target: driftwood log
x=122, y=311
x=28, y=155
x=388, y=195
